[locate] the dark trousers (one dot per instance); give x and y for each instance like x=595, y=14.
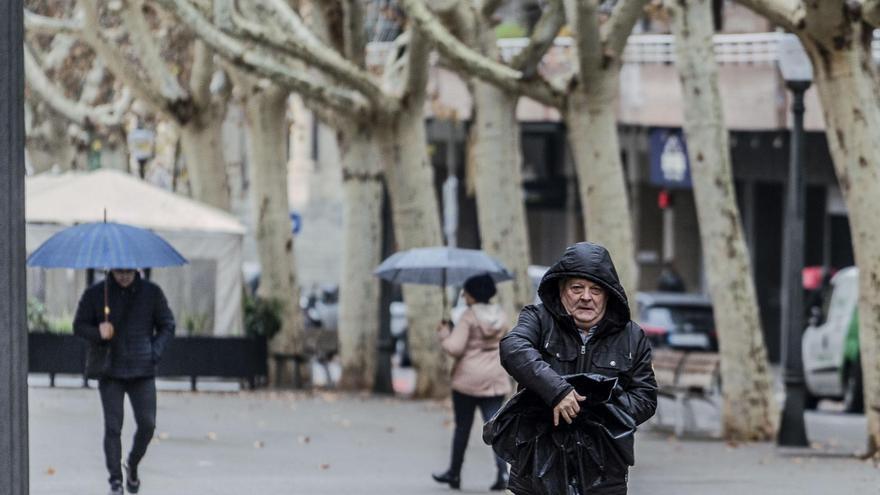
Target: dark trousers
x=464, y=406
x=142, y=395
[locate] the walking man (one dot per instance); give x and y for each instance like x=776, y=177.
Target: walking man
x=583, y=325
x=128, y=324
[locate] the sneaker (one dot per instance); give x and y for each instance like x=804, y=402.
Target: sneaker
x=132, y=483
x=115, y=489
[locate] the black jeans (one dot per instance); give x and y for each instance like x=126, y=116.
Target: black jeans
x=464, y=406
x=142, y=395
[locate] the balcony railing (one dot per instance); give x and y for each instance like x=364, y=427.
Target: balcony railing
x=749, y=48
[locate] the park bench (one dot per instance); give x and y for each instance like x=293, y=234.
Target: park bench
x=684, y=377
x=320, y=344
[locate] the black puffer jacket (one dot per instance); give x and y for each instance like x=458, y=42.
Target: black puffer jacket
x=143, y=325
x=545, y=344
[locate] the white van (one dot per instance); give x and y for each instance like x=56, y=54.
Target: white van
x=831, y=346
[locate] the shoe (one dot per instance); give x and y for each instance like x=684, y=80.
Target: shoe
x=132, y=483
x=115, y=488
x=500, y=482
x=453, y=480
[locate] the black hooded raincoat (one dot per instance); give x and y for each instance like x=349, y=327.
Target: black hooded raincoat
x=592, y=455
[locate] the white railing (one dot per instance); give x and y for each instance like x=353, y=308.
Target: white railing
x=749, y=48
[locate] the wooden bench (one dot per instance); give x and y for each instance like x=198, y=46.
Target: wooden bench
x=319, y=344
x=684, y=377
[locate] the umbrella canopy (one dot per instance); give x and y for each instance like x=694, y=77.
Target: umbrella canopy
x=105, y=245
x=440, y=266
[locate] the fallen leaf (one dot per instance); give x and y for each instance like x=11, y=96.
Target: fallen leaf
x=324, y=467
x=50, y=471
x=303, y=439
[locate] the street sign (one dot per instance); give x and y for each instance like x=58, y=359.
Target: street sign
x=670, y=167
x=295, y=222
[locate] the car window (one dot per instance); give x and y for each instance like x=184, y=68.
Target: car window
x=673, y=316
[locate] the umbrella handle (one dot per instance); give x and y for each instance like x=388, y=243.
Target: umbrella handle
x=106, y=298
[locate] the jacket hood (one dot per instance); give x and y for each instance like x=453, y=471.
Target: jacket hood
x=114, y=285
x=491, y=319
x=592, y=262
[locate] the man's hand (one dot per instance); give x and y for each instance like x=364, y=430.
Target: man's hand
x=106, y=329
x=568, y=407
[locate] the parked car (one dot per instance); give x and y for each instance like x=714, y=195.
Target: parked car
x=830, y=345
x=677, y=320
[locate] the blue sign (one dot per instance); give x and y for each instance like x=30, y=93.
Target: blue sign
x=295, y=222
x=670, y=167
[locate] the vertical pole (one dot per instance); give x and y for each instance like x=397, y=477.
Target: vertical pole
x=383, y=383
x=13, y=327
x=792, y=431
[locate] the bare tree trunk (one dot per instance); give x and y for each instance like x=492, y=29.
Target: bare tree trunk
x=201, y=142
x=267, y=126
x=414, y=209
x=749, y=411
x=845, y=80
x=496, y=152
x=592, y=134
x=362, y=252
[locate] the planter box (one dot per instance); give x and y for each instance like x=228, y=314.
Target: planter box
x=193, y=357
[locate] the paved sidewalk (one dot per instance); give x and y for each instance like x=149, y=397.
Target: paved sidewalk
x=326, y=443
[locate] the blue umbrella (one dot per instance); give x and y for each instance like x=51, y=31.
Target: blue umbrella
x=105, y=245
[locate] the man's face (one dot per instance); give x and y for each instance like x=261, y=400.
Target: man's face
x=584, y=300
x=124, y=277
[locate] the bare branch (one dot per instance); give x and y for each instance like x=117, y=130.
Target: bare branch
x=303, y=44
x=264, y=64
x=201, y=74
x=292, y=21
x=466, y=59
x=40, y=24
x=418, y=63
x=788, y=14
x=617, y=29
x=145, y=45
x=584, y=22
x=355, y=37
x=489, y=7
x=871, y=12
x=80, y=113
x=118, y=63
x=541, y=39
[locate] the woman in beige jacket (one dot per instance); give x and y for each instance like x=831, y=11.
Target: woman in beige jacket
x=477, y=376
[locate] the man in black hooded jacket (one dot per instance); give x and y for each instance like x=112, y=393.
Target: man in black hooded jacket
x=133, y=335
x=582, y=326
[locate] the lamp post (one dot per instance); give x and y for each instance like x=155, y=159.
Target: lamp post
x=13, y=325
x=798, y=74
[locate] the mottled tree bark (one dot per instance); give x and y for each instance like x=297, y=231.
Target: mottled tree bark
x=266, y=108
x=749, y=410
x=362, y=252
x=414, y=208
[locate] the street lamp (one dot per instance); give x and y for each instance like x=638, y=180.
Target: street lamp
x=798, y=74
